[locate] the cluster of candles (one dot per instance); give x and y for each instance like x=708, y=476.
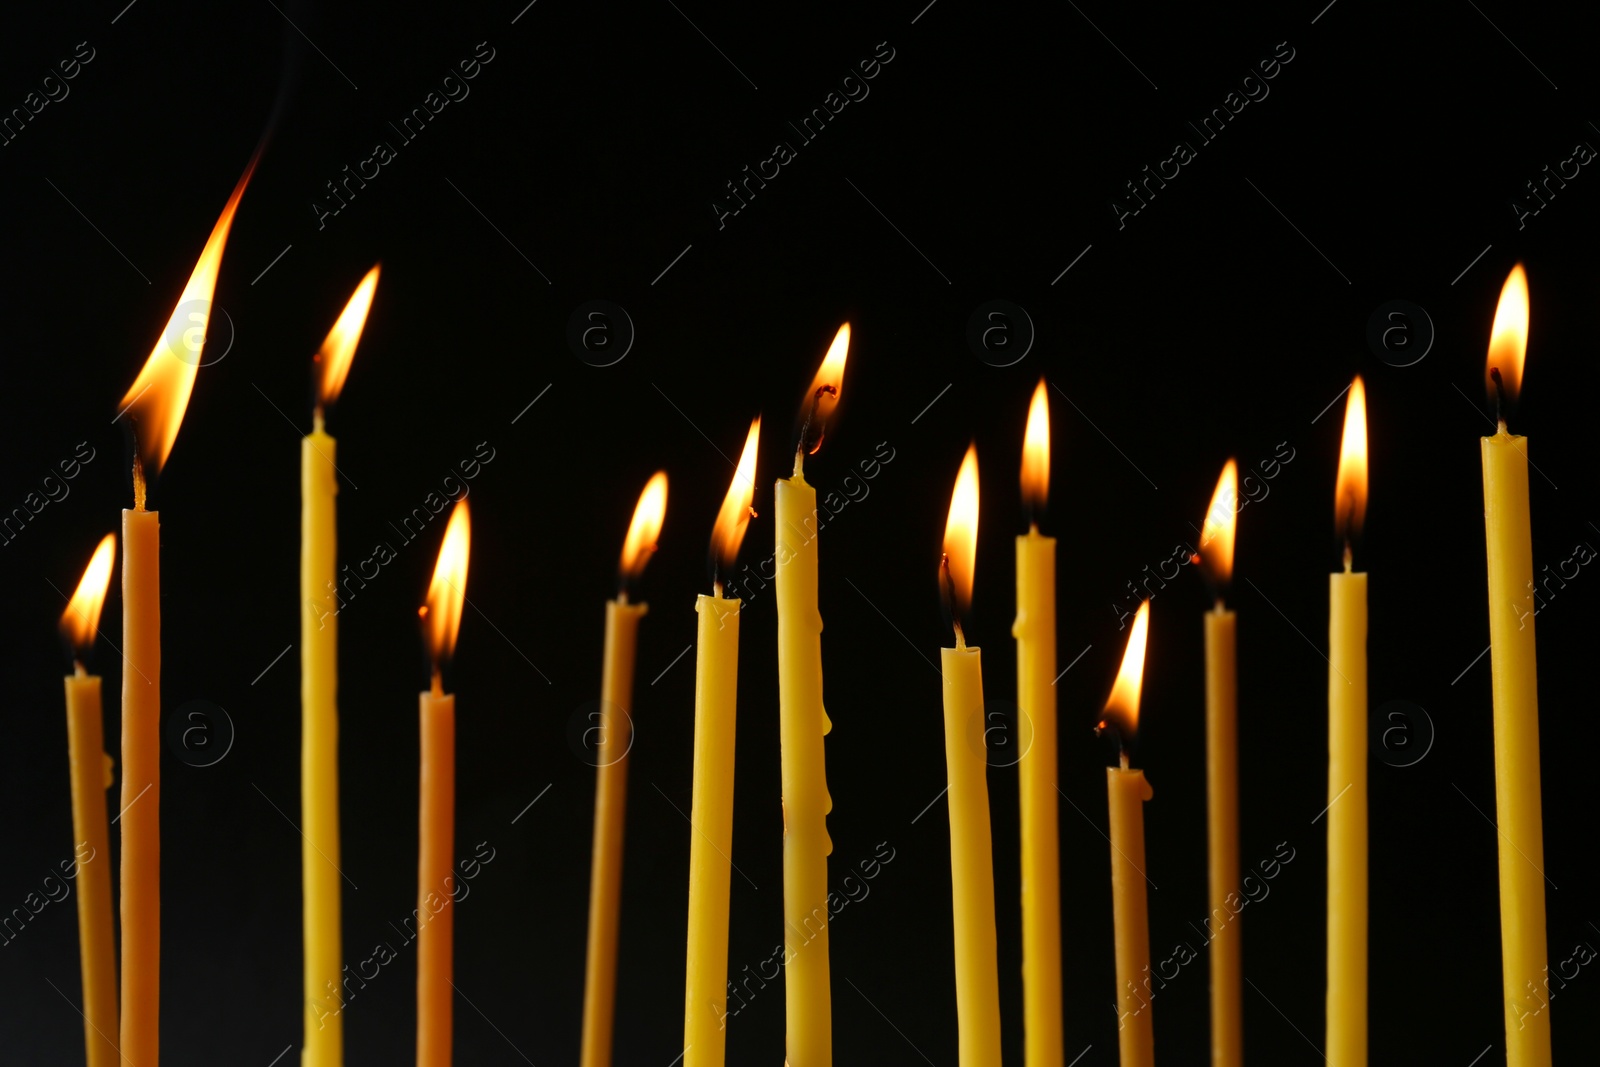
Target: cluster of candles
x=154, y=407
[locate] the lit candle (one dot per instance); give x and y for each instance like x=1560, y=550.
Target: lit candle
x=614, y=737
x=1347, y=757
x=319, y=692
x=1516, y=703
x=91, y=777
x=802, y=722
x=1222, y=774
x=971, y=845
x=716, y=687
x=441, y=618
x=153, y=410
x=1035, y=631
x=1127, y=792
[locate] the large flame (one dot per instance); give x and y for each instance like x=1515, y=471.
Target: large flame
x=817, y=408
x=156, y=401
x=1036, y=452
x=961, y=535
x=648, y=515
x=1350, y=492
x=339, y=347
x=1122, y=706
x=448, y=590
x=82, y=618
x=1217, y=532
x=1508, y=339
x=734, y=517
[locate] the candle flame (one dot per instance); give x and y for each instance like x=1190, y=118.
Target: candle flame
x=448, y=591
x=1350, y=493
x=82, y=618
x=156, y=401
x=817, y=408
x=1218, y=530
x=339, y=347
x=961, y=536
x=1508, y=339
x=648, y=515
x=1122, y=706
x=727, y=534
x=1036, y=452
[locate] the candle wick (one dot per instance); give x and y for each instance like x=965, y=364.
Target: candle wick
x=1122, y=753
x=1220, y=606
x=800, y=456
x=1348, y=556
x=138, y=479
x=78, y=670
x=317, y=419
x=437, y=687
x=1499, y=398
x=716, y=588
x=961, y=639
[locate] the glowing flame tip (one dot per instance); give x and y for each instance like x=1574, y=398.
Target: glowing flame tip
x=1036, y=452
x=81, y=620
x=734, y=517
x=648, y=516
x=1508, y=338
x=961, y=535
x=1122, y=706
x=447, y=592
x=1350, y=495
x=1217, y=532
x=339, y=347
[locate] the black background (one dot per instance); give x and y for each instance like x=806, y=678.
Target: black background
x=983, y=162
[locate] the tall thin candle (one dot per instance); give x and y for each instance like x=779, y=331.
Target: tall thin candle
x=323, y=1044
x=153, y=410
x=441, y=618
x=91, y=777
x=716, y=693
x=802, y=723
x=1519, y=814
x=612, y=730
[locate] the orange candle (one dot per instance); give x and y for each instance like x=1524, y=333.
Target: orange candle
x=153, y=409
x=614, y=738
x=91, y=777
x=436, y=822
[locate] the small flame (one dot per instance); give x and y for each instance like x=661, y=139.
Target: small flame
x=1350, y=493
x=734, y=518
x=82, y=618
x=156, y=401
x=1508, y=339
x=1036, y=452
x=961, y=535
x=820, y=401
x=1217, y=532
x=339, y=347
x=448, y=590
x=648, y=515
x=1122, y=706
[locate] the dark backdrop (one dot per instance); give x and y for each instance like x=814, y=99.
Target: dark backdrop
x=1222, y=318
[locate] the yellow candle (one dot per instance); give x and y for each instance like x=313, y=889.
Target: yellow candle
x=91, y=777
x=319, y=690
x=1222, y=777
x=711, y=839
x=153, y=410
x=614, y=737
x=802, y=722
x=1035, y=631
x=1516, y=707
x=437, y=806
x=971, y=847
x=1347, y=759
x=1126, y=792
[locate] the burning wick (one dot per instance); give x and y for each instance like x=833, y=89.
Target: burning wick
x=805, y=430
x=1499, y=398
x=948, y=584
